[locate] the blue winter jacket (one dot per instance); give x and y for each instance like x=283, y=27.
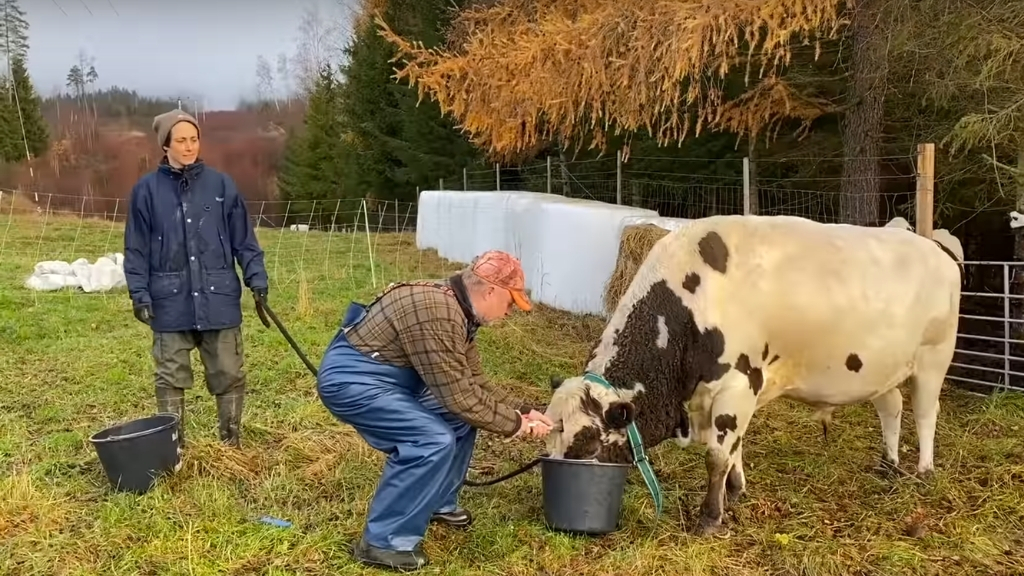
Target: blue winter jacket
x=184, y=232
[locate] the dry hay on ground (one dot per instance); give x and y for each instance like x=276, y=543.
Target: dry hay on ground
x=636, y=243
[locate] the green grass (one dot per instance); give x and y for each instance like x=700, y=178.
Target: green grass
x=73, y=363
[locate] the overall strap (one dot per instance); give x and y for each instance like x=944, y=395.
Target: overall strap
x=439, y=285
x=471, y=326
x=350, y=321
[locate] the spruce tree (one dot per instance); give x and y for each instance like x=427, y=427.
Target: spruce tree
x=310, y=168
x=397, y=143
x=36, y=131
x=13, y=30
x=12, y=147
x=26, y=129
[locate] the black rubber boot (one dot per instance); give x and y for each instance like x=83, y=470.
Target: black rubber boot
x=172, y=400
x=403, y=561
x=458, y=518
x=229, y=416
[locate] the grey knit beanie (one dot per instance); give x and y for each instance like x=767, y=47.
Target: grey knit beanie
x=163, y=123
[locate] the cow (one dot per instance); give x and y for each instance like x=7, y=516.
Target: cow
x=729, y=313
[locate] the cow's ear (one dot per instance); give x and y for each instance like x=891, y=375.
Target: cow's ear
x=556, y=381
x=619, y=414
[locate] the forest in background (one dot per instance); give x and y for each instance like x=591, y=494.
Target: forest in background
x=331, y=121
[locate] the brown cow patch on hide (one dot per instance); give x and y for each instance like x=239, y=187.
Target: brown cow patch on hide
x=725, y=423
x=853, y=363
x=753, y=374
x=714, y=252
x=691, y=282
x=669, y=375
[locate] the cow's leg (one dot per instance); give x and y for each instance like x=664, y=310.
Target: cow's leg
x=736, y=481
x=684, y=431
x=731, y=411
x=890, y=411
x=926, y=385
x=693, y=419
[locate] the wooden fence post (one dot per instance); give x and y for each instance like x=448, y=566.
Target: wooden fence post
x=925, y=189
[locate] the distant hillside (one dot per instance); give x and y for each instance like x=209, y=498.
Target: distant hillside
x=102, y=144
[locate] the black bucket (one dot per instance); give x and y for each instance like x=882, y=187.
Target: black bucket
x=583, y=496
x=135, y=453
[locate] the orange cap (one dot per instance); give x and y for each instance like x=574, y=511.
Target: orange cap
x=503, y=270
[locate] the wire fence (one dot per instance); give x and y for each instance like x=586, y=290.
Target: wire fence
x=369, y=242
x=362, y=244
x=701, y=187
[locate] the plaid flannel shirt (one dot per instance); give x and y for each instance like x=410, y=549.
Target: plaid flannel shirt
x=422, y=326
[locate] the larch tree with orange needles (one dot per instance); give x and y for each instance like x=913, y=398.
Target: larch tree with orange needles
x=520, y=73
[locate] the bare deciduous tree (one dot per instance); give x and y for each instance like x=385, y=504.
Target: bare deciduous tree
x=316, y=47
x=283, y=78
x=265, y=81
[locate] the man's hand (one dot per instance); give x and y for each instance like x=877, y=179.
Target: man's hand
x=535, y=416
x=534, y=424
x=143, y=313
x=259, y=296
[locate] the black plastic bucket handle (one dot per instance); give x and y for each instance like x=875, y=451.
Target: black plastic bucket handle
x=120, y=438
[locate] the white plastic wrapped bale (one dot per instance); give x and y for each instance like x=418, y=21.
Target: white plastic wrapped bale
x=462, y=224
x=491, y=224
x=106, y=274
x=528, y=241
x=456, y=238
x=431, y=220
x=579, y=244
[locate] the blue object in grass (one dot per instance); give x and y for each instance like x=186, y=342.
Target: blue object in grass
x=275, y=522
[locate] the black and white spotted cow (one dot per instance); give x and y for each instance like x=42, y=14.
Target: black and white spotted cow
x=730, y=312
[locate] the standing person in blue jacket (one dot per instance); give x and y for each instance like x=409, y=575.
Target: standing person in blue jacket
x=187, y=226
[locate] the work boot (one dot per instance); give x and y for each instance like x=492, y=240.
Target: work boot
x=458, y=518
x=172, y=400
x=229, y=415
x=402, y=560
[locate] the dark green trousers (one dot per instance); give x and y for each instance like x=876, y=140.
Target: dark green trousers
x=221, y=352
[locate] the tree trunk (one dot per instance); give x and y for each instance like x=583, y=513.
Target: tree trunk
x=863, y=124
x=563, y=162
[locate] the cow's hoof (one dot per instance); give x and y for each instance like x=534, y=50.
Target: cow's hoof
x=707, y=527
x=926, y=476
x=887, y=469
x=732, y=498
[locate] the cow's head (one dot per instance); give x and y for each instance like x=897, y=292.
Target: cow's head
x=590, y=421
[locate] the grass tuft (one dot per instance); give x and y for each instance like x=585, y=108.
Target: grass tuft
x=75, y=363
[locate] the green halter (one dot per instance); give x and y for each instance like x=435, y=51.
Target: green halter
x=637, y=445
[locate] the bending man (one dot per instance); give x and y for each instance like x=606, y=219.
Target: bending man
x=404, y=371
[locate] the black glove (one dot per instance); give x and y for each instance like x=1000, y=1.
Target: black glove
x=143, y=313
x=259, y=296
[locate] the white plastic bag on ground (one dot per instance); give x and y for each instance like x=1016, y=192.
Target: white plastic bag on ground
x=106, y=274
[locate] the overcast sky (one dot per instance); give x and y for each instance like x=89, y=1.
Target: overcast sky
x=162, y=47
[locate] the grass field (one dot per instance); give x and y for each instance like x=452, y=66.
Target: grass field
x=73, y=363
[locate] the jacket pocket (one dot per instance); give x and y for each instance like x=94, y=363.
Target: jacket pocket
x=165, y=285
x=224, y=282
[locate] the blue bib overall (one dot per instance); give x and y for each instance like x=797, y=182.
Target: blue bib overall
x=428, y=448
